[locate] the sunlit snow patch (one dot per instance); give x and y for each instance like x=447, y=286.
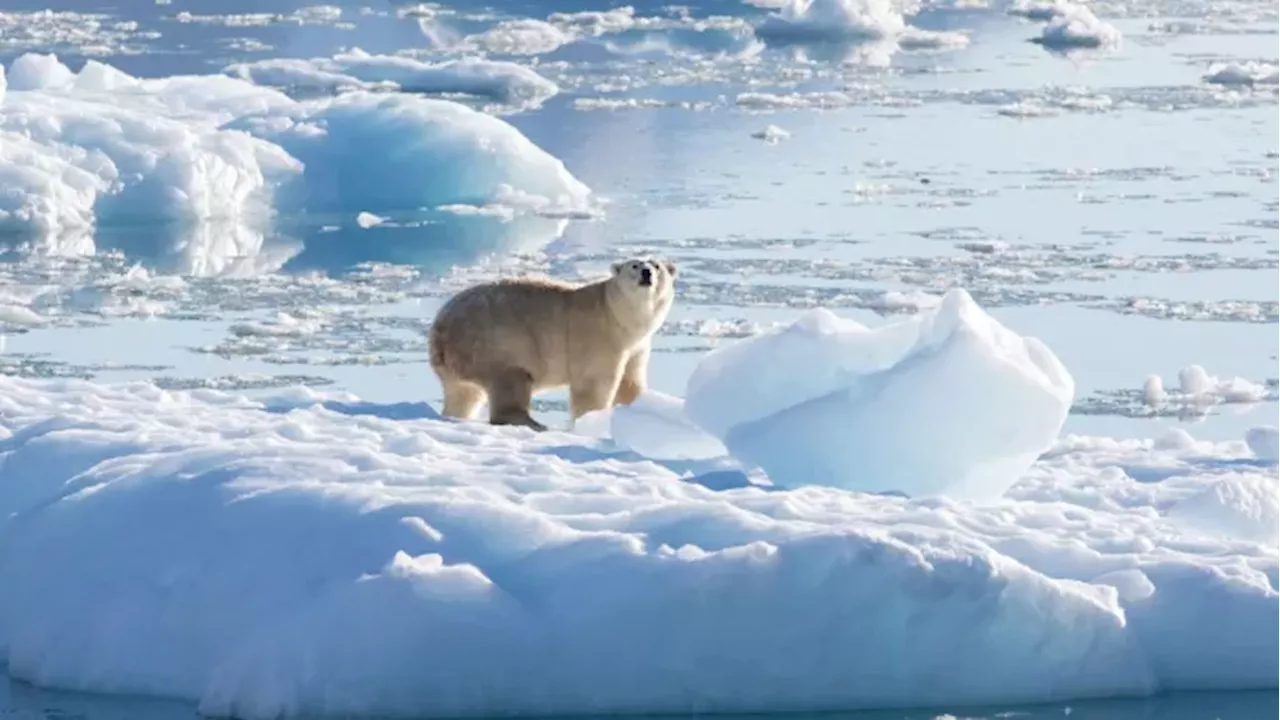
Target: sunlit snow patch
x=948, y=401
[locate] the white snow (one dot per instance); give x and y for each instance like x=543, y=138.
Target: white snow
x=299, y=554
x=947, y=401
x=504, y=82
x=209, y=161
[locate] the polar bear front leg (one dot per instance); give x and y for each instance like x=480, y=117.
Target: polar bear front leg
x=634, y=375
x=593, y=390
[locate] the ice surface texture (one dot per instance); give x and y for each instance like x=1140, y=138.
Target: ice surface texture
x=947, y=401
x=213, y=159
x=296, y=556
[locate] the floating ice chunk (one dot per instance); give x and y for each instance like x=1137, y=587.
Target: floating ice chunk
x=367, y=220
x=1264, y=442
x=1042, y=10
x=832, y=21
x=948, y=402
x=1193, y=380
x=438, y=152
x=912, y=301
x=522, y=37
x=913, y=38
x=1075, y=26
x=1199, y=385
x=1153, y=390
x=206, y=163
x=507, y=203
x=654, y=426
x=81, y=150
x=771, y=134
x=1244, y=74
x=18, y=315
x=501, y=81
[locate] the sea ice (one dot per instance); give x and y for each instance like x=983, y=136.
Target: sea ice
x=207, y=163
x=522, y=37
x=948, y=401
x=771, y=134
x=503, y=82
x=1245, y=74
x=301, y=555
x=1073, y=26
x=832, y=21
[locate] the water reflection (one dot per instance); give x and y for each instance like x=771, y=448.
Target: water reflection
x=432, y=241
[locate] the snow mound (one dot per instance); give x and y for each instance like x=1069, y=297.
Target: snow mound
x=208, y=163
x=947, y=401
x=503, y=82
x=299, y=556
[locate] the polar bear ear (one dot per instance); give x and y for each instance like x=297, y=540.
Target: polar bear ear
x=617, y=266
x=670, y=266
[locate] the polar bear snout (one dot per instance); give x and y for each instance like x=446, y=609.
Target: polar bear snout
x=646, y=275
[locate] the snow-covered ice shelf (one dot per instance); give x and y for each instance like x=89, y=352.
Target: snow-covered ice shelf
x=310, y=553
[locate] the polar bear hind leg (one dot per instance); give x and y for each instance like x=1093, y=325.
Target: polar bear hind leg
x=510, y=394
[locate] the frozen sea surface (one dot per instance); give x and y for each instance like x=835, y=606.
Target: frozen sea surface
x=246, y=197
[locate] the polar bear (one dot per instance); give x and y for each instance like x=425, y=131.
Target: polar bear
x=512, y=338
